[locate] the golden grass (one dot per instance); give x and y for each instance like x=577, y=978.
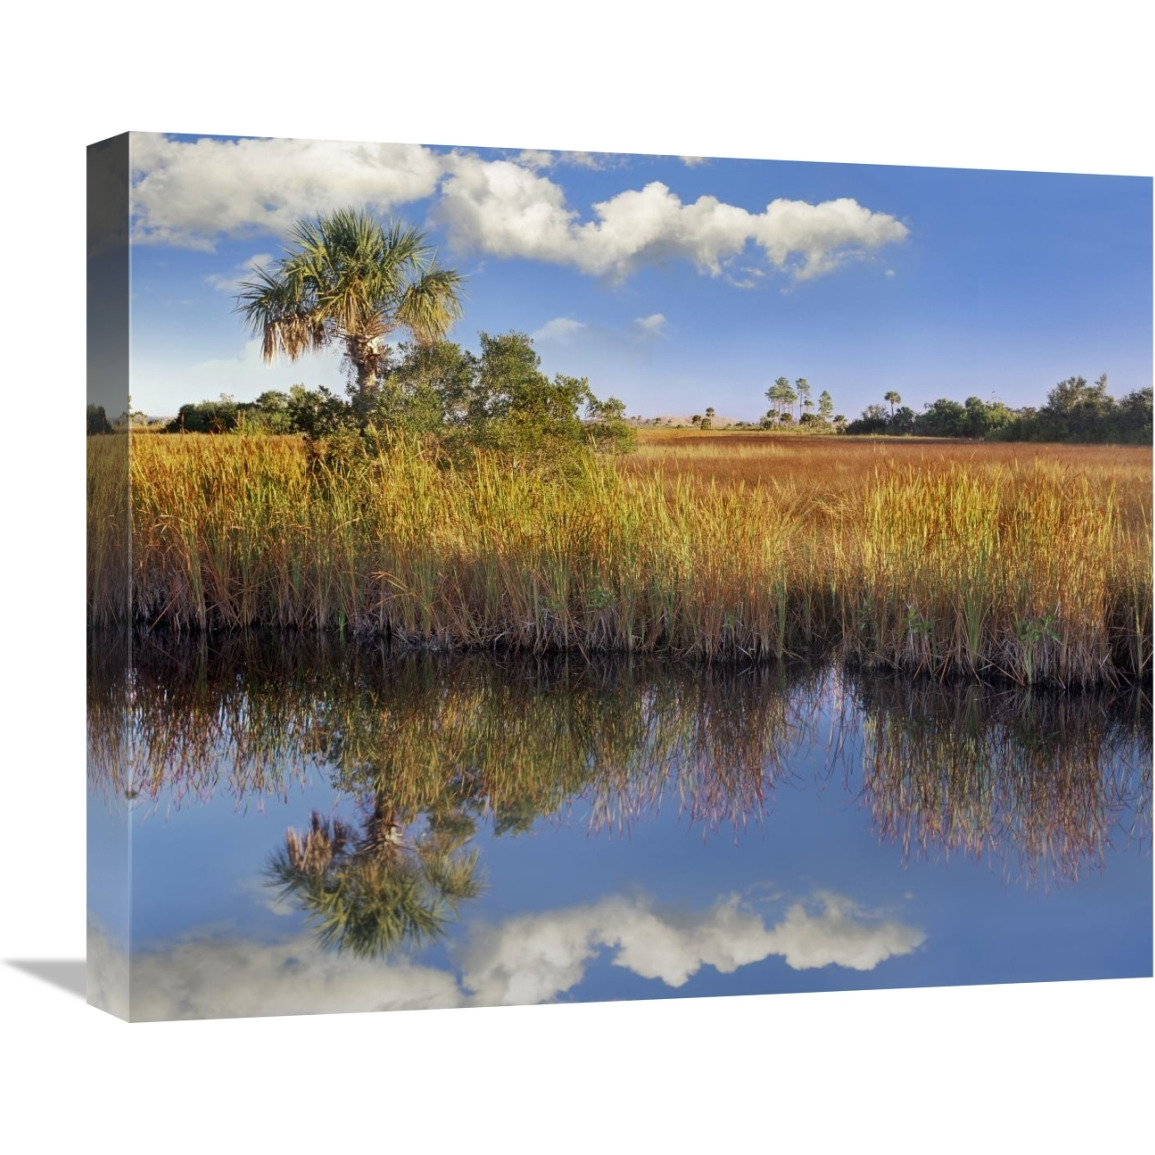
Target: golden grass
x=1031, y=563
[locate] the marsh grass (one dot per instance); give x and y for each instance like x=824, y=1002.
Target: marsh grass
x=1025, y=563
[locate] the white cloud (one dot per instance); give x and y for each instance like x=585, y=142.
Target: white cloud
x=594, y=160
x=651, y=326
x=535, y=158
x=231, y=281
x=220, y=977
x=691, y=161
x=186, y=193
x=528, y=959
x=814, y=239
x=537, y=957
x=503, y=208
x=558, y=329
x=842, y=934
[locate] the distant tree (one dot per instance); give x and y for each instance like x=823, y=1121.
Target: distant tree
x=97, y=420
x=696, y=419
x=874, y=419
x=943, y=418
x=903, y=420
x=781, y=396
x=985, y=418
x=825, y=407
x=318, y=413
x=1132, y=418
x=803, y=388
x=1076, y=411
x=894, y=400
x=607, y=427
x=206, y=417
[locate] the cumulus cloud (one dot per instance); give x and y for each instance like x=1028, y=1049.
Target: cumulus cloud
x=505, y=209
x=186, y=193
x=191, y=192
x=816, y=238
x=558, y=329
x=220, y=977
x=528, y=959
x=652, y=325
x=536, y=957
x=691, y=161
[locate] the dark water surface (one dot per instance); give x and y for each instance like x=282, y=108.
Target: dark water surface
x=307, y=826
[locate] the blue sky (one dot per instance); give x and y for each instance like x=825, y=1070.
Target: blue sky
x=673, y=283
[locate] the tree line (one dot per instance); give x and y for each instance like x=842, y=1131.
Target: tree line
x=498, y=400
x=782, y=396
x=1075, y=411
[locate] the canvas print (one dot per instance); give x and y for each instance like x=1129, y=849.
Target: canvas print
x=523, y=576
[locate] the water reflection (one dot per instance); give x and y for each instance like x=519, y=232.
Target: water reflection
x=323, y=826
x=430, y=745
x=1043, y=781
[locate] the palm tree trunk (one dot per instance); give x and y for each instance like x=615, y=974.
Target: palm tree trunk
x=382, y=830
x=366, y=360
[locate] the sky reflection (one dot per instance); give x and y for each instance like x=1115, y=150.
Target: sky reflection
x=638, y=831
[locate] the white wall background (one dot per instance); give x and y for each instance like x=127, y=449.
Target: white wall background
x=986, y=84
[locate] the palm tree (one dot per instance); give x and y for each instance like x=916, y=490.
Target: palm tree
x=369, y=895
x=894, y=400
x=350, y=279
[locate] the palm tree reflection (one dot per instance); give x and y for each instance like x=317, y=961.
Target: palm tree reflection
x=374, y=892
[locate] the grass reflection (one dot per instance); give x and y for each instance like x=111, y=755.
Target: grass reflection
x=430, y=745
x=1049, y=780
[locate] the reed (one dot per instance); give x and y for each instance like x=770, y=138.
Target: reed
x=1025, y=563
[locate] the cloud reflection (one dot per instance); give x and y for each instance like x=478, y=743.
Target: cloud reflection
x=537, y=957
x=527, y=959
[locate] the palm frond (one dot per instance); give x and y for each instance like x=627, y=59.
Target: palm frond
x=430, y=305
x=347, y=277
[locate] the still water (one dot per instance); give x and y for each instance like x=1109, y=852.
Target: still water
x=293, y=826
